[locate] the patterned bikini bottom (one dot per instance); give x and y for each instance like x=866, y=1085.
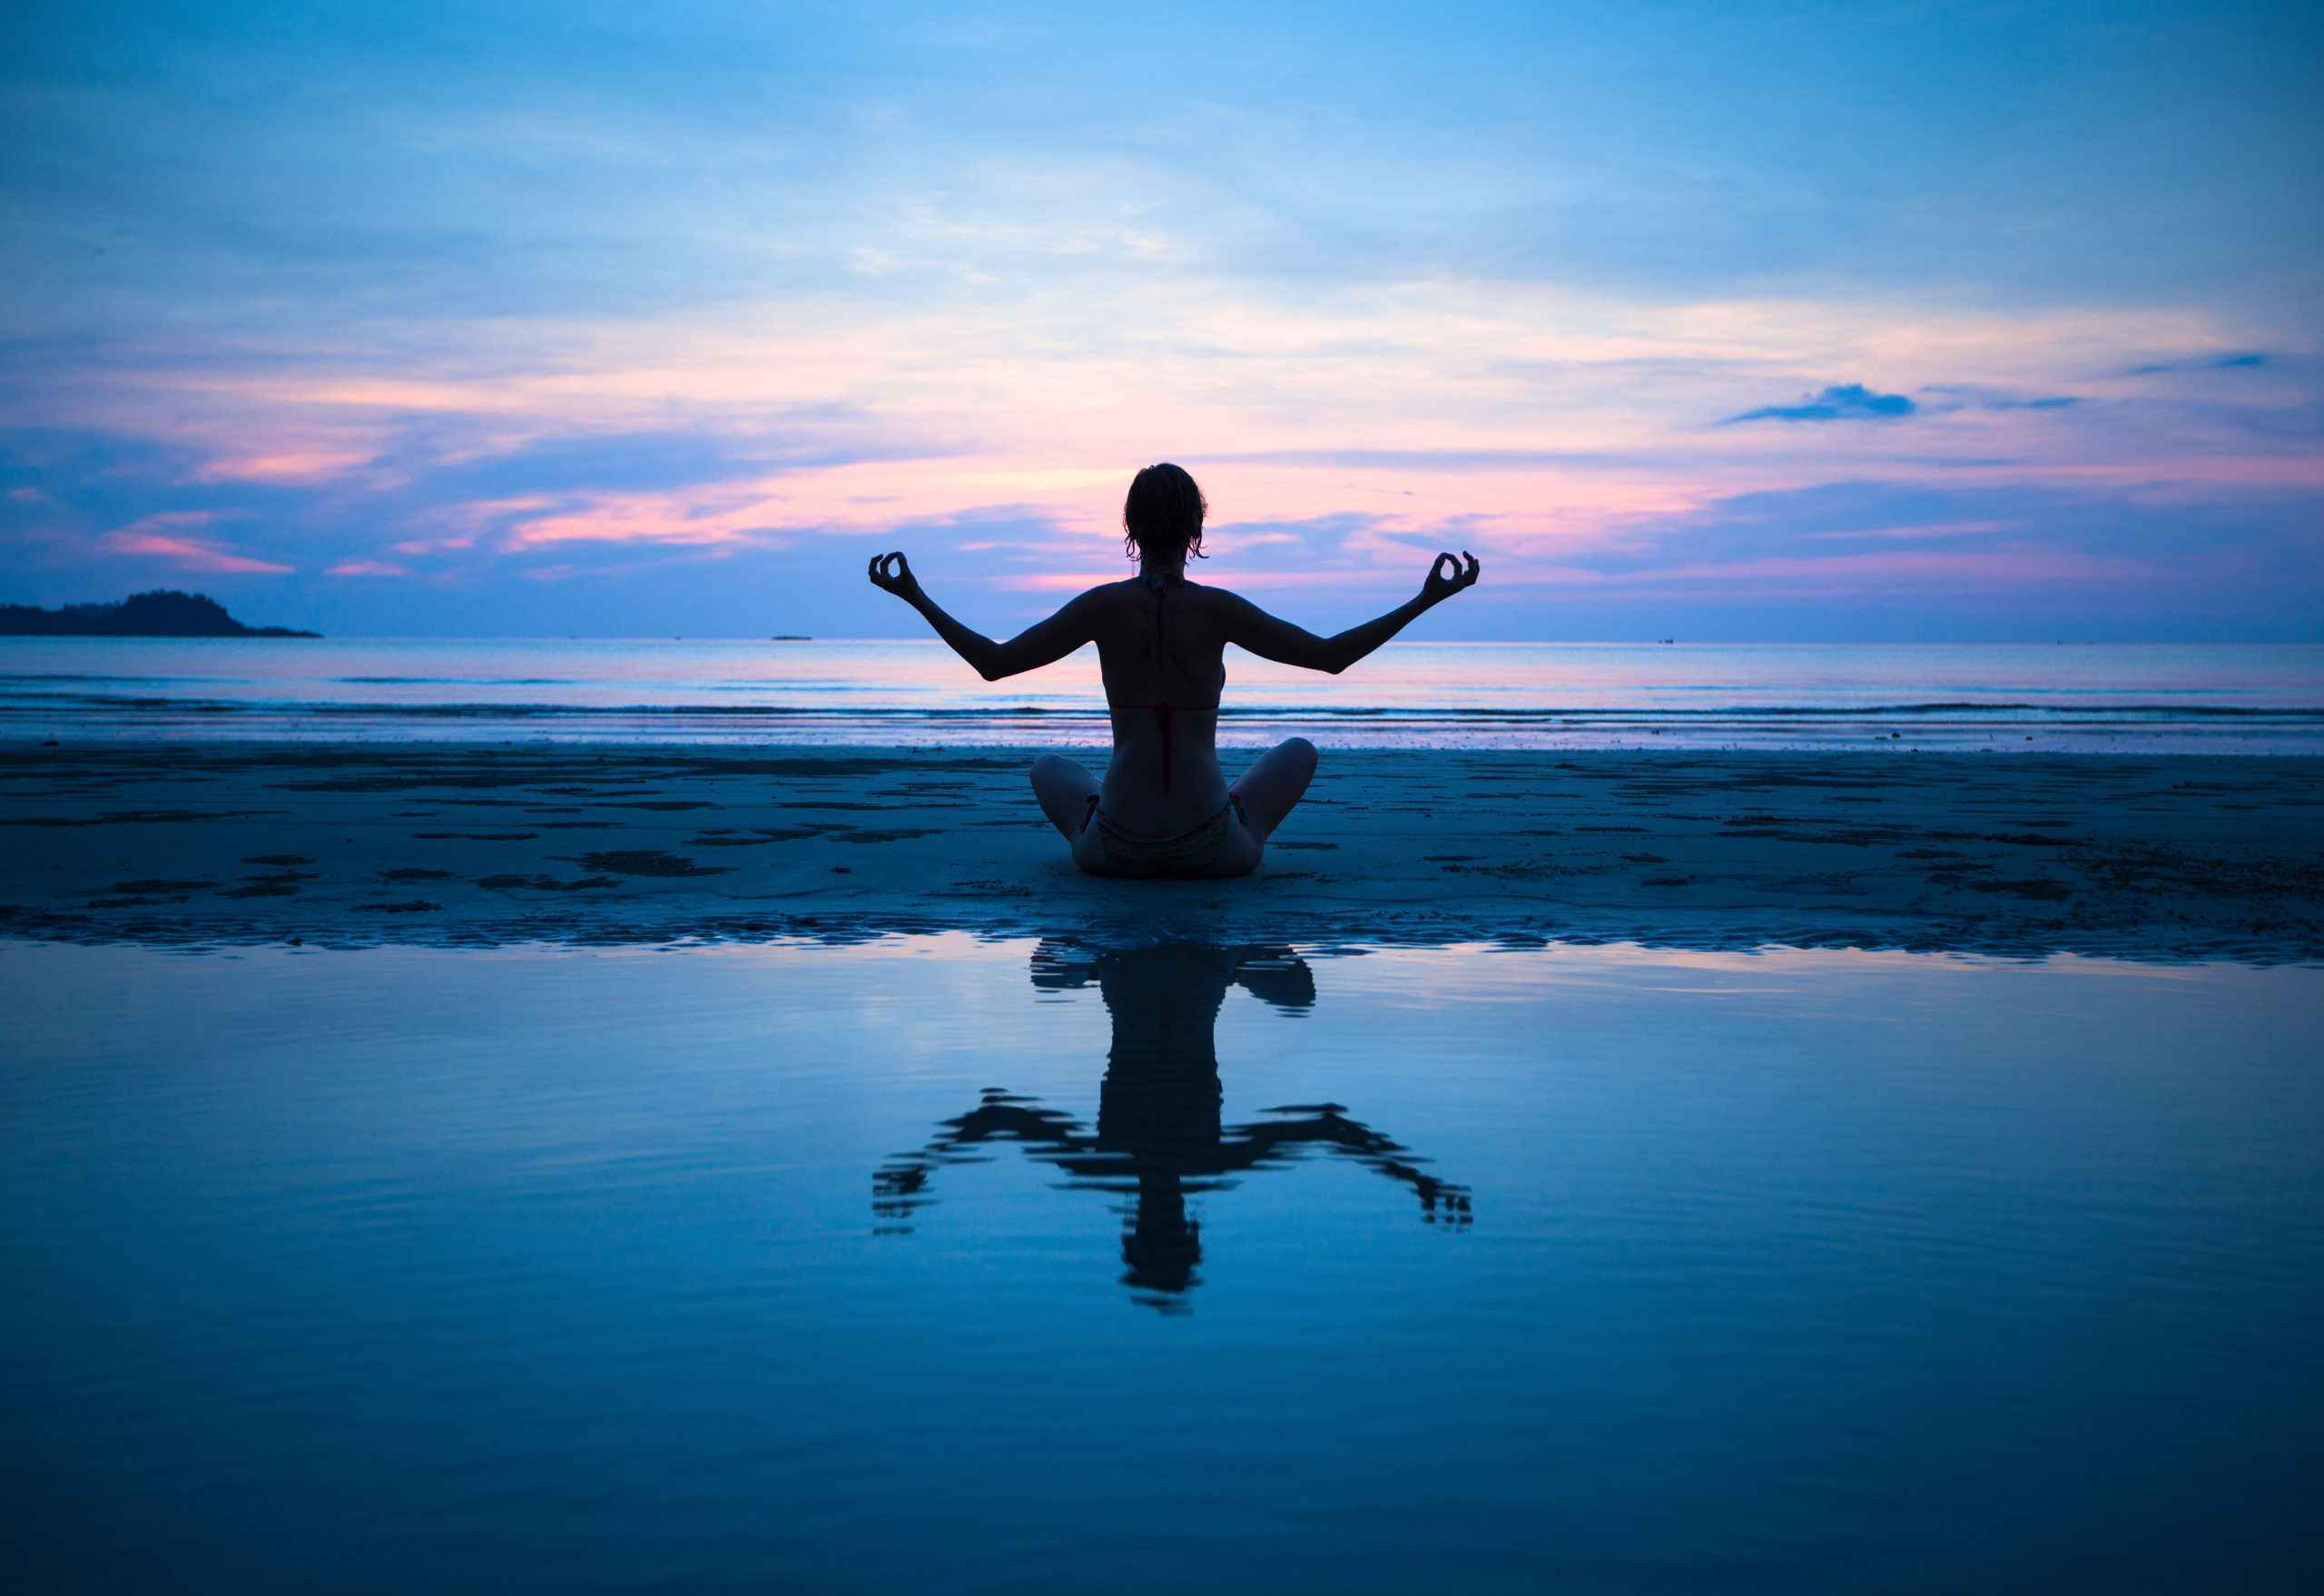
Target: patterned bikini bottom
x=1187, y=852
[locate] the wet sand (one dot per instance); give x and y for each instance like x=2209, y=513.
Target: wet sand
x=460, y=845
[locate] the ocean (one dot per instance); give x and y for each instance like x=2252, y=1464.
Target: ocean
x=1096, y=1248
x=954, y=1266
x=2119, y=698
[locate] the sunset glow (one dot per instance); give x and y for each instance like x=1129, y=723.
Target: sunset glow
x=609, y=352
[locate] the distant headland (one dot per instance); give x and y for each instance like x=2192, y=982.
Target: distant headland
x=159, y=614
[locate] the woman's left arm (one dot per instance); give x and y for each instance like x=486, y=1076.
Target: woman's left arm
x=1043, y=643
x=1272, y=638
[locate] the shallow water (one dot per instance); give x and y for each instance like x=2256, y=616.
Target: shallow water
x=2140, y=698
x=943, y=1266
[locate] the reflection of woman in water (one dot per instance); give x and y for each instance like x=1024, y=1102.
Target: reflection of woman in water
x=1164, y=807
x=1158, y=1135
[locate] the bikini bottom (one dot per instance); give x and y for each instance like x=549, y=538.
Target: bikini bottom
x=1188, y=853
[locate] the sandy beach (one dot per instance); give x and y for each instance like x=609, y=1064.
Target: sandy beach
x=355, y=845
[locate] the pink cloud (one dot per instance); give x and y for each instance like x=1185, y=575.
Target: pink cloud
x=296, y=466
x=1533, y=424
x=153, y=537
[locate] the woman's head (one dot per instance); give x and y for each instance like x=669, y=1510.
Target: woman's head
x=1162, y=516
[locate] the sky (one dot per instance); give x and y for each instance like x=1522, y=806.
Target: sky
x=1778, y=322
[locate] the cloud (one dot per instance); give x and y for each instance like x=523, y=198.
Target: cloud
x=150, y=537
x=1341, y=438
x=1847, y=402
x=2246, y=362
x=1895, y=538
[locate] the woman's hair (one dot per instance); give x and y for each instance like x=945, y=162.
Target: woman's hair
x=1162, y=516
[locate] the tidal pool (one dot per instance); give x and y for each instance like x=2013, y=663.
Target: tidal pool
x=945, y=1265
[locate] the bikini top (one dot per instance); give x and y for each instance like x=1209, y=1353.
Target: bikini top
x=1160, y=587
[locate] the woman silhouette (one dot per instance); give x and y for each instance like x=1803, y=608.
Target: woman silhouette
x=1159, y=1139
x=1164, y=807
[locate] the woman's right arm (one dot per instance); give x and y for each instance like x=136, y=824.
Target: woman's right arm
x=1272, y=638
x=1043, y=643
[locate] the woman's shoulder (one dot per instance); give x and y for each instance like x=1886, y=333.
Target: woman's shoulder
x=1133, y=596
x=1136, y=592
x=1217, y=598
x=1111, y=603
x=1104, y=595
x=1114, y=596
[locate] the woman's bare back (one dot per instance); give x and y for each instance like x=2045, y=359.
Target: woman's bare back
x=1162, y=652
x=1164, y=807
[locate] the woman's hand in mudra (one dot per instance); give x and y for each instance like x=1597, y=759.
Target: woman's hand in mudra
x=1442, y=583
x=899, y=580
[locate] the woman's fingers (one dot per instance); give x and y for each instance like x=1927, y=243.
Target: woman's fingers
x=1449, y=572
x=1447, y=575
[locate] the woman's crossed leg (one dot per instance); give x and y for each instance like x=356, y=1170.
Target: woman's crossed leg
x=1262, y=796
